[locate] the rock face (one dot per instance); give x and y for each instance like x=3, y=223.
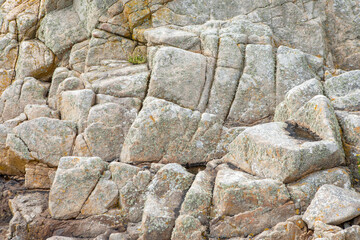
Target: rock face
x=179, y=119
x=344, y=205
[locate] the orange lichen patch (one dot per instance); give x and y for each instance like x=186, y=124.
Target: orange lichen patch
x=357, y=129
x=152, y=118
x=6, y=78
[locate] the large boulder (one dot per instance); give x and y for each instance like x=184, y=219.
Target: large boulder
x=282, y=151
x=246, y=205
x=166, y=132
x=108, y=125
x=60, y=35
x=296, y=97
x=19, y=94
x=303, y=191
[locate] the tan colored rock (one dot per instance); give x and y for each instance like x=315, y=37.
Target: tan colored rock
x=47, y=139
x=38, y=175
x=9, y=49
x=238, y=192
x=78, y=56
x=19, y=94
x=33, y=111
x=6, y=77
x=75, y=106
x=104, y=46
x=35, y=60
x=104, y=196
x=75, y=179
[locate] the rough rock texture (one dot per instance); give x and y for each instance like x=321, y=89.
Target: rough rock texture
x=332, y=205
x=179, y=119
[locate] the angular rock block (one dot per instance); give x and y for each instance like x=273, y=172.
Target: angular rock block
x=332, y=205
x=275, y=150
x=344, y=91
x=46, y=139
x=75, y=179
x=60, y=35
x=187, y=71
x=296, y=98
x=294, y=67
x=35, y=60
x=303, y=191
x=173, y=37
x=246, y=205
x=165, y=194
x=255, y=95
x=108, y=125
x=167, y=133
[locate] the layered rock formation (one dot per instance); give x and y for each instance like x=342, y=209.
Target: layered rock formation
x=182, y=119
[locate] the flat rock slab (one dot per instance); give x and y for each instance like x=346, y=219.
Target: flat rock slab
x=332, y=205
x=271, y=150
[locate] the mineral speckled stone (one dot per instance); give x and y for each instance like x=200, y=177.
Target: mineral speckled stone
x=179, y=119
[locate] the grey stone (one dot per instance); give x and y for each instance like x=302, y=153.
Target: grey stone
x=75, y=179
x=47, y=139
x=165, y=132
x=294, y=68
x=332, y=205
x=165, y=195
x=343, y=91
x=255, y=96
x=60, y=35
x=188, y=76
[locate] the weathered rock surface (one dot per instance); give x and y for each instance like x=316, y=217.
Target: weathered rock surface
x=343, y=91
x=165, y=195
x=274, y=150
x=264, y=93
x=188, y=71
x=35, y=60
x=75, y=179
x=46, y=139
x=165, y=132
x=332, y=205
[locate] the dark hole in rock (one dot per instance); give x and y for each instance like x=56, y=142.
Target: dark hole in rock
x=195, y=168
x=301, y=133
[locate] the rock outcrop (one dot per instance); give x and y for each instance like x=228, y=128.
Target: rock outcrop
x=179, y=119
